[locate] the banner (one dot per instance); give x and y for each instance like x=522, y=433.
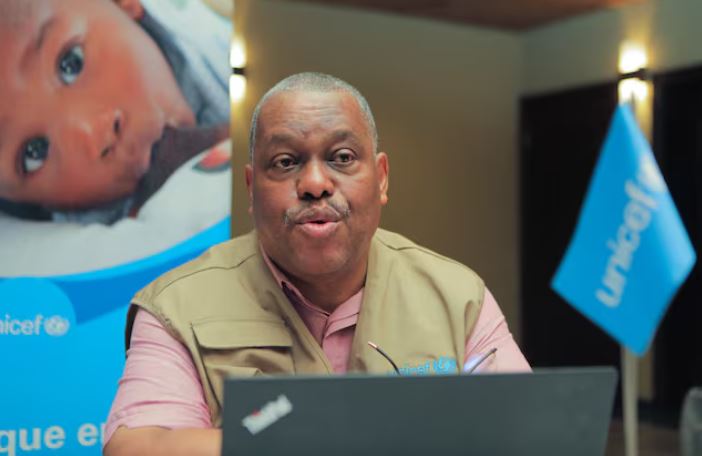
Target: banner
x=114, y=168
x=630, y=251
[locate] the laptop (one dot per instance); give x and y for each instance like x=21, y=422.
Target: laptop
x=548, y=412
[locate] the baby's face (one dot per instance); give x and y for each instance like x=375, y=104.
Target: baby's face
x=84, y=93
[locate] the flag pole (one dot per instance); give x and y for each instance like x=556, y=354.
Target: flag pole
x=629, y=401
x=630, y=363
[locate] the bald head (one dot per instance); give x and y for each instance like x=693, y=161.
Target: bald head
x=313, y=82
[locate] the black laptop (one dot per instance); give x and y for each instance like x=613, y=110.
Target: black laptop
x=563, y=412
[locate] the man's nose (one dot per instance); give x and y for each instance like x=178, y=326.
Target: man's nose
x=314, y=181
x=93, y=135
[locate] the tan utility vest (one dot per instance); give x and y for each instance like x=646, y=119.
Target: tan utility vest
x=232, y=315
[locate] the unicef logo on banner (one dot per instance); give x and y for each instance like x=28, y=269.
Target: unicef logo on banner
x=33, y=309
x=55, y=325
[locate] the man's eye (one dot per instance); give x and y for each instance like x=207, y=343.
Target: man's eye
x=33, y=154
x=70, y=64
x=343, y=157
x=284, y=163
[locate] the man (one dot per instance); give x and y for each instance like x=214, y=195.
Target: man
x=305, y=292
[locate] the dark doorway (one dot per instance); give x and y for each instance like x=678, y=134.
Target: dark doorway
x=561, y=137
x=678, y=146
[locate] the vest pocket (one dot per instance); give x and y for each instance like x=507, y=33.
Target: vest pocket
x=242, y=348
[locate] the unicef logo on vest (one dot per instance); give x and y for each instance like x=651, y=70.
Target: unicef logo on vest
x=54, y=325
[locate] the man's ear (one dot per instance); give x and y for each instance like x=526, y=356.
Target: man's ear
x=133, y=8
x=383, y=169
x=248, y=170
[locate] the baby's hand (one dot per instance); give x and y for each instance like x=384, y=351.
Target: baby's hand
x=133, y=8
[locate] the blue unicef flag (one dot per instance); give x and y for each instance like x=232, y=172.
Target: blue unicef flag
x=630, y=251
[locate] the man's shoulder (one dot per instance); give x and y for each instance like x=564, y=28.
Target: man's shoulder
x=227, y=255
x=405, y=249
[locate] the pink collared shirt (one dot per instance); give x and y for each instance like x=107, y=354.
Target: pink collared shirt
x=160, y=385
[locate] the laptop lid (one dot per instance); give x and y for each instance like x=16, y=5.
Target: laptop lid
x=548, y=412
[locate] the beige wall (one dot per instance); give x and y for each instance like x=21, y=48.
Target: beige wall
x=445, y=100
x=585, y=50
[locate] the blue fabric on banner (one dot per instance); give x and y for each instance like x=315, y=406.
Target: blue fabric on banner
x=630, y=251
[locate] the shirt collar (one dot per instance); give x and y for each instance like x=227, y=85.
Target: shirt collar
x=351, y=306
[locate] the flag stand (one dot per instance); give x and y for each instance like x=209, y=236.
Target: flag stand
x=629, y=401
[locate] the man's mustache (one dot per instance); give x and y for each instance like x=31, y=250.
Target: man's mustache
x=331, y=211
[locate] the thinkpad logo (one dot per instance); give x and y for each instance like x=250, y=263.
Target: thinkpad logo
x=267, y=415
